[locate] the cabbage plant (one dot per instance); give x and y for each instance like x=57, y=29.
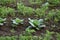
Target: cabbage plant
x=38, y=24
x=2, y=21
x=17, y=21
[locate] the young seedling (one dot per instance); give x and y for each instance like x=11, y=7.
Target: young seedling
x=30, y=30
x=2, y=21
x=17, y=21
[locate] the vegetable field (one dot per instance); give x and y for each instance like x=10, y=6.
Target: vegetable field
x=29, y=19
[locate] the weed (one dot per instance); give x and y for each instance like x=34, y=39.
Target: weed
x=4, y=2
x=41, y=12
x=5, y=11
x=54, y=2
x=50, y=15
x=25, y=10
x=53, y=15
x=48, y=35
x=38, y=2
x=58, y=36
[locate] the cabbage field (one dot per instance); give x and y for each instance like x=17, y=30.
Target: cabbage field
x=29, y=19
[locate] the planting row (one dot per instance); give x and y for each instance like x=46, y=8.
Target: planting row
x=23, y=10
x=7, y=2
x=38, y=2
x=34, y=23
x=47, y=36
x=26, y=11
x=53, y=14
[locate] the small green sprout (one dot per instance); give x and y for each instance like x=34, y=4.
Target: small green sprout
x=2, y=21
